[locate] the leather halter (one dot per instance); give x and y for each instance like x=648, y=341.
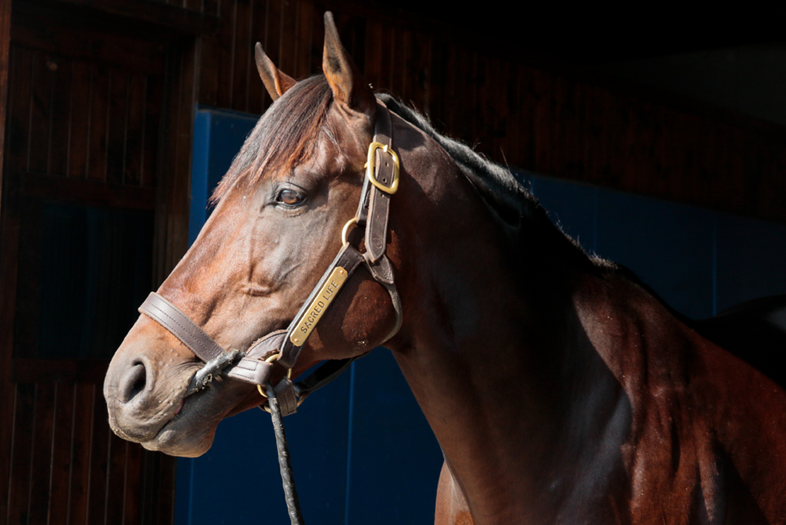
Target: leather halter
x=284, y=346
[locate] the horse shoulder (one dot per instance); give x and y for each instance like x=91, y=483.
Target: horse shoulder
x=706, y=427
x=746, y=414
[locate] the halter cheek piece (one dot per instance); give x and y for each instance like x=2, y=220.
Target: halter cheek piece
x=284, y=346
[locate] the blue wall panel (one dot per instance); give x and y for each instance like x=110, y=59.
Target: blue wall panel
x=571, y=206
x=243, y=463
x=395, y=458
x=668, y=245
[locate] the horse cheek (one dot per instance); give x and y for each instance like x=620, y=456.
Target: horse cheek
x=357, y=321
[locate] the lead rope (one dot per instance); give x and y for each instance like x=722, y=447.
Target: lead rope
x=284, y=463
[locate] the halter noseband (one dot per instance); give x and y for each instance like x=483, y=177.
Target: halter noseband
x=284, y=346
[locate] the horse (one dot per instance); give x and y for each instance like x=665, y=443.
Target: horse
x=559, y=387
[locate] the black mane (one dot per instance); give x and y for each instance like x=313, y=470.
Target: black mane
x=515, y=209
x=508, y=198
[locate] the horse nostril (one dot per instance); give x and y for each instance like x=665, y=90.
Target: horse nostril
x=133, y=383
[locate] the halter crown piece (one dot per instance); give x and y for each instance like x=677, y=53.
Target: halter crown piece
x=284, y=346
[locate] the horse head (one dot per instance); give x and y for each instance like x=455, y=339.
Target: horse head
x=280, y=212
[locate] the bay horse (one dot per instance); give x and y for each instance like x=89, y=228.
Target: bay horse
x=559, y=388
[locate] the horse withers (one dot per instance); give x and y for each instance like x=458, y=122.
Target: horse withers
x=560, y=390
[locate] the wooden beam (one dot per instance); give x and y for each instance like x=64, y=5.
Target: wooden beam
x=88, y=192
x=6, y=388
x=158, y=13
x=5, y=44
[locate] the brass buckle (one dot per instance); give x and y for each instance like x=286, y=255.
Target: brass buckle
x=272, y=359
x=345, y=230
x=371, y=165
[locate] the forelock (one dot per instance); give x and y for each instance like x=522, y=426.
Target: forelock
x=284, y=137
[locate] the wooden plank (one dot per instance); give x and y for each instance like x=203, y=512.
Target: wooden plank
x=99, y=120
x=9, y=234
x=99, y=462
x=154, y=97
x=40, y=118
x=304, y=32
x=373, y=56
x=317, y=41
x=272, y=37
x=193, y=5
x=386, y=57
x=116, y=478
x=436, y=82
x=449, y=98
x=60, y=115
x=65, y=33
x=226, y=53
x=30, y=371
x=209, y=75
x=288, y=51
x=210, y=9
x=5, y=55
x=243, y=54
x=61, y=451
x=351, y=28
x=79, y=111
x=20, y=102
x=271, y=41
x=88, y=192
x=135, y=131
x=41, y=464
x=419, y=66
x=21, y=454
x=190, y=20
x=157, y=493
x=402, y=61
x=772, y=186
x=502, y=128
x=117, y=125
x=28, y=265
x=171, y=235
x=81, y=446
x=258, y=99
x=495, y=107
x=133, y=481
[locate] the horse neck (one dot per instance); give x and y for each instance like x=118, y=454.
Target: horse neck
x=498, y=361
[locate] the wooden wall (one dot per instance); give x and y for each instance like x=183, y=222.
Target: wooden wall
x=58, y=460
x=531, y=113
x=95, y=176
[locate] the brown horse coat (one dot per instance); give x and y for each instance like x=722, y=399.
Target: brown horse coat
x=559, y=389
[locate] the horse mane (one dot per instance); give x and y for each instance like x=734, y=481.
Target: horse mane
x=513, y=207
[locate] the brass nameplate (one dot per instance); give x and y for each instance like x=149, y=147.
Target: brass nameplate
x=318, y=306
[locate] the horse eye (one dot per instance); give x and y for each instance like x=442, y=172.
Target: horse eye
x=289, y=197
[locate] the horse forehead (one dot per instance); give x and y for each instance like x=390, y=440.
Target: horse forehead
x=348, y=135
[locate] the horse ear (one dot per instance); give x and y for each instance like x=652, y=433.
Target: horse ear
x=276, y=82
x=348, y=85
